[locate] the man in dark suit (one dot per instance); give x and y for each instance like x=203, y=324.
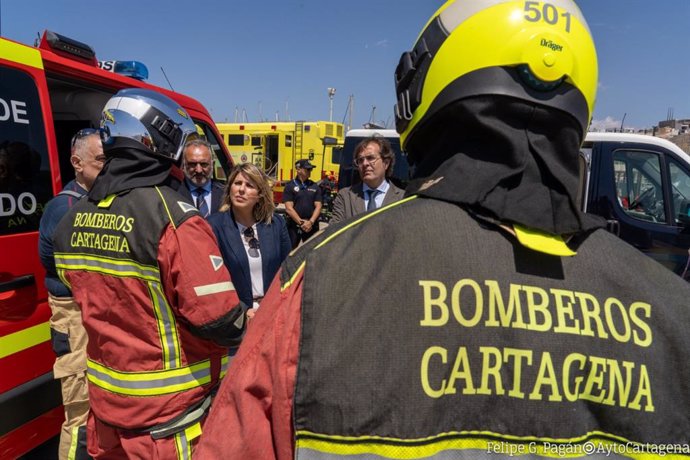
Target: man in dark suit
x=374, y=159
x=198, y=185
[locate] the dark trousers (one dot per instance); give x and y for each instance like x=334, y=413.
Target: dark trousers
x=296, y=234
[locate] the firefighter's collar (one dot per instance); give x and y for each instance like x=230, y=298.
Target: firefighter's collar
x=540, y=241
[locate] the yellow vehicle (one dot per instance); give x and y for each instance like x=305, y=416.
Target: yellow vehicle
x=276, y=146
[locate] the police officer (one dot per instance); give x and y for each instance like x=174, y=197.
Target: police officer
x=157, y=303
x=303, y=200
x=483, y=315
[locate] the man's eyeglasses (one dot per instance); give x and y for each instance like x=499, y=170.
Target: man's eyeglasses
x=82, y=133
x=248, y=234
x=371, y=159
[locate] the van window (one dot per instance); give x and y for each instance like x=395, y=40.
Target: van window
x=221, y=165
x=235, y=139
x=25, y=184
x=639, y=186
x=585, y=162
x=680, y=192
x=336, y=154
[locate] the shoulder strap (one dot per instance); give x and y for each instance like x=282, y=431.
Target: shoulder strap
x=71, y=193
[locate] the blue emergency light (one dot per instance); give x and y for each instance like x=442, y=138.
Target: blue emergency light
x=133, y=69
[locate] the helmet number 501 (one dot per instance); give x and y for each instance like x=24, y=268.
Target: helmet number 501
x=548, y=13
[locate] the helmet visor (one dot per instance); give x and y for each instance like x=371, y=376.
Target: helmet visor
x=186, y=137
x=163, y=130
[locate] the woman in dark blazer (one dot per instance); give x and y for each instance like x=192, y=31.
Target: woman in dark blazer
x=253, y=240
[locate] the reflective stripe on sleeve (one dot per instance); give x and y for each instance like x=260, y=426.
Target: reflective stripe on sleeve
x=209, y=289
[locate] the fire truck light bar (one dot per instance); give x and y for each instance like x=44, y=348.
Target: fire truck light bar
x=68, y=45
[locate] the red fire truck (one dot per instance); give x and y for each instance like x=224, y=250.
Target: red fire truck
x=47, y=93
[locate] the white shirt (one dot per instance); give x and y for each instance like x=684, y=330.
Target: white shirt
x=382, y=188
x=255, y=265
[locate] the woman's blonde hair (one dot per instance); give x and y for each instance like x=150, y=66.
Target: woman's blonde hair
x=263, y=209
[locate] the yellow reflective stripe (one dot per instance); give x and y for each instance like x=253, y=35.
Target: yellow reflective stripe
x=74, y=441
x=149, y=383
x=170, y=217
x=294, y=276
x=364, y=217
x=106, y=265
x=20, y=54
x=26, y=338
x=374, y=450
x=167, y=327
x=179, y=446
x=65, y=281
x=225, y=360
x=183, y=444
x=480, y=441
x=107, y=201
x=193, y=431
x=209, y=289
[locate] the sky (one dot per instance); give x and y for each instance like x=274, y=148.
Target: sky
x=275, y=59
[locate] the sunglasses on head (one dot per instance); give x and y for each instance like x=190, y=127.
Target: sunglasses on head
x=82, y=133
x=248, y=234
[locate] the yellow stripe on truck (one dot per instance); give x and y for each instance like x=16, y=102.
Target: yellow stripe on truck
x=21, y=54
x=24, y=339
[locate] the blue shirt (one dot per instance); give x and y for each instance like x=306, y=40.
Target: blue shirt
x=52, y=214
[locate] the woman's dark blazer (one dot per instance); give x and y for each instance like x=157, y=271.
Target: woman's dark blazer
x=274, y=243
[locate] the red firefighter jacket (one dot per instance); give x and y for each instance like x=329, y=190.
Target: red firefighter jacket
x=157, y=303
